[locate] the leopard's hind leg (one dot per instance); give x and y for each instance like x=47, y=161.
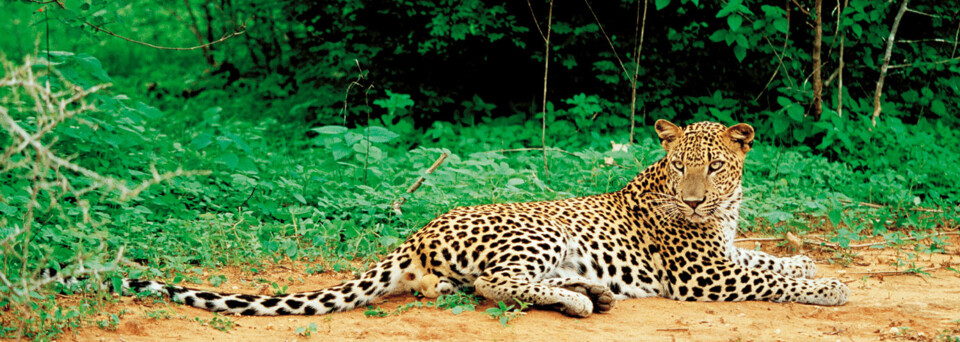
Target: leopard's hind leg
x=508, y=286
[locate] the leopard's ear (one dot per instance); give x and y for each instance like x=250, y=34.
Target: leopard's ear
x=739, y=138
x=669, y=133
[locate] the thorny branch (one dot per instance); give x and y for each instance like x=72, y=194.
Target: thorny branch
x=27, y=155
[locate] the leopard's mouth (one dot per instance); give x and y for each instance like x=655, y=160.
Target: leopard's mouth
x=695, y=217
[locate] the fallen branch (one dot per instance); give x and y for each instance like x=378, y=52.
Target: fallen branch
x=822, y=243
x=879, y=206
x=416, y=185
x=886, y=62
x=910, y=271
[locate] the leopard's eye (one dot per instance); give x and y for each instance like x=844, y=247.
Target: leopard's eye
x=714, y=166
x=678, y=166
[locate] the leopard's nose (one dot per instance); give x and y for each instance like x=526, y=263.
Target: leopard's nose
x=693, y=204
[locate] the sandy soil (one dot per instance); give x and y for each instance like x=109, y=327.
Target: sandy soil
x=884, y=306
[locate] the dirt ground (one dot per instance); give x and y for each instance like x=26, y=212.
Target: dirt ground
x=885, y=306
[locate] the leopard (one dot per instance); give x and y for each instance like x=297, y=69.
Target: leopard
x=669, y=232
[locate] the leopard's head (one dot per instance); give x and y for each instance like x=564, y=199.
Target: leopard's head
x=704, y=166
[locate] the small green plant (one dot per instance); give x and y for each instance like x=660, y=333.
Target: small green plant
x=307, y=330
x=314, y=269
x=217, y=280
x=111, y=322
x=375, y=312
x=278, y=290
x=457, y=302
x=159, y=314
x=505, y=313
x=218, y=322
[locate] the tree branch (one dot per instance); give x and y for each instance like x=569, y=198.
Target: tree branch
x=817, y=79
x=546, y=67
x=886, y=62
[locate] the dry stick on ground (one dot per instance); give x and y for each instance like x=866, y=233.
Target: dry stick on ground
x=546, y=67
x=910, y=272
x=817, y=78
x=833, y=245
x=886, y=62
x=416, y=185
x=877, y=206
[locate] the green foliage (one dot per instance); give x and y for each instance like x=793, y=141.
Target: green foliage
x=218, y=322
x=505, y=313
x=307, y=330
x=315, y=120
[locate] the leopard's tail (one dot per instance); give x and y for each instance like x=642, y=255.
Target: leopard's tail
x=394, y=274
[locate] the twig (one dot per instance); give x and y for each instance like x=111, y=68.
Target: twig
x=240, y=30
x=897, y=66
x=910, y=272
x=956, y=40
x=248, y=197
x=758, y=239
x=786, y=40
x=934, y=40
x=822, y=243
x=924, y=13
x=346, y=94
x=535, y=22
x=636, y=69
x=801, y=8
x=886, y=62
x=612, y=48
x=416, y=185
x=546, y=67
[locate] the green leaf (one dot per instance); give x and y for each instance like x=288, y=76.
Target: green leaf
x=201, y=141
x=300, y=198
x=780, y=125
x=857, y=30
x=330, y=129
x=661, y=4
x=740, y=52
x=379, y=134
x=938, y=107
x=835, y=216
x=781, y=25
x=731, y=7
x=734, y=21
x=230, y=160
x=795, y=112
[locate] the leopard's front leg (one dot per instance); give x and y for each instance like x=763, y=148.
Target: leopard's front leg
x=716, y=279
x=798, y=266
